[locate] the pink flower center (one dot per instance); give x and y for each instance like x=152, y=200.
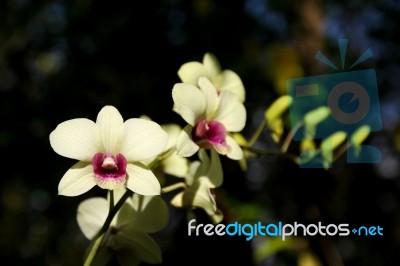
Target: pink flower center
x=205, y=133
x=109, y=170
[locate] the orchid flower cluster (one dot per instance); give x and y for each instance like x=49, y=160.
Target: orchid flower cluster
x=127, y=158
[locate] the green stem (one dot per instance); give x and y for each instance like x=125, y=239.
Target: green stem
x=290, y=135
x=93, y=250
x=111, y=199
x=260, y=152
x=257, y=134
x=173, y=187
x=100, y=235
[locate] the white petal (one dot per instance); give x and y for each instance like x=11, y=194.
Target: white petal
x=77, y=180
x=199, y=196
x=194, y=168
x=75, y=139
x=152, y=213
x=117, y=193
x=111, y=129
x=202, y=197
x=125, y=214
x=212, y=65
x=143, y=139
x=176, y=165
x=210, y=95
x=215, y=173
x=235, y=152
x=141, y=180
x=191, y=72
x=173, y=131
x=230, y=81
x=189, y=102
x=210, y=169
x=91, y=215
x=185, y=146
x=205, y=164
x=177, y=200
x=231, y=112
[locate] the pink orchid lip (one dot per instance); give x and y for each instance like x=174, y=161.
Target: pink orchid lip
x=109, y=170
x=209, y=134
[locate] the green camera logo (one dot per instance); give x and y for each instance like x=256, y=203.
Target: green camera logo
x=353, y=101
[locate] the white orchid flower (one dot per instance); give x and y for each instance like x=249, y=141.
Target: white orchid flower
x=223, y=80
x=211, y=117
x=128, y=236
x=203, y=176
x=171, y=163
x=109, y=153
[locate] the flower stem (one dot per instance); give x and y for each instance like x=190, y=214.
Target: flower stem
x=257, y=134
x=93, y=249
x=100, y=235
x=290, y=135
x=111, y=199
x=260, y=152
x=173, y=187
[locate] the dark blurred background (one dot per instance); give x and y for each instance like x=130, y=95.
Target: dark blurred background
x=66, y=59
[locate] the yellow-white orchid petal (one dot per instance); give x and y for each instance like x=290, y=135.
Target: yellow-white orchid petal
x=189, y=102
x=127, y=236
x=138, y=244
x=191, y=71
x=192, y=173
x=210, y=169
x=91, y=215
x=117, y=193
x=173, y=131
x=202, y=198
x=215, y=173
x=231, y=112
x=141, y=180
x=111, y=129
x=176, y=165
x=185, y=146
x=230, y=81
x=210, y=62
x=235, y=152
x=198, y=196
x=210, y=68
x=151, y=213
x=210, y=96
x=177, y=200
x=75, y=139
x=142, y=140
x=77, y=180
x=205, y=163
x=126, y=214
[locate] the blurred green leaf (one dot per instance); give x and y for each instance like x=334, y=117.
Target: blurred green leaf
x=277, y=108
x=329, y=144
x=313, y=118
x=358, y=137
x=273, y=116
